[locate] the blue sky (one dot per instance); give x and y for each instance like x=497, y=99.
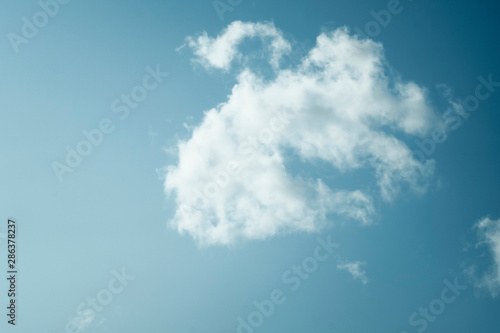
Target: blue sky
x=251, y=166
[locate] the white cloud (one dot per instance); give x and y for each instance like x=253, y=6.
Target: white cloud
x=221, y=51
x=354, y=268
x=488, y=231
x=83, y=320
x=338, y=106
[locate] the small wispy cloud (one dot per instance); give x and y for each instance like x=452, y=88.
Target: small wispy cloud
x=355, y=269
x=152, y=135
x=488, y=236
x=83, y=320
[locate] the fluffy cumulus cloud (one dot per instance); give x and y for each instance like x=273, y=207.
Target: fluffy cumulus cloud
x=488, y=232
x=340, y=106
x=355, y=269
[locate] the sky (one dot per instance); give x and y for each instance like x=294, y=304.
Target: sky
x=250, y=166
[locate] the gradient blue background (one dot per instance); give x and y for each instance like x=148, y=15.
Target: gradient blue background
x=111, y=212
